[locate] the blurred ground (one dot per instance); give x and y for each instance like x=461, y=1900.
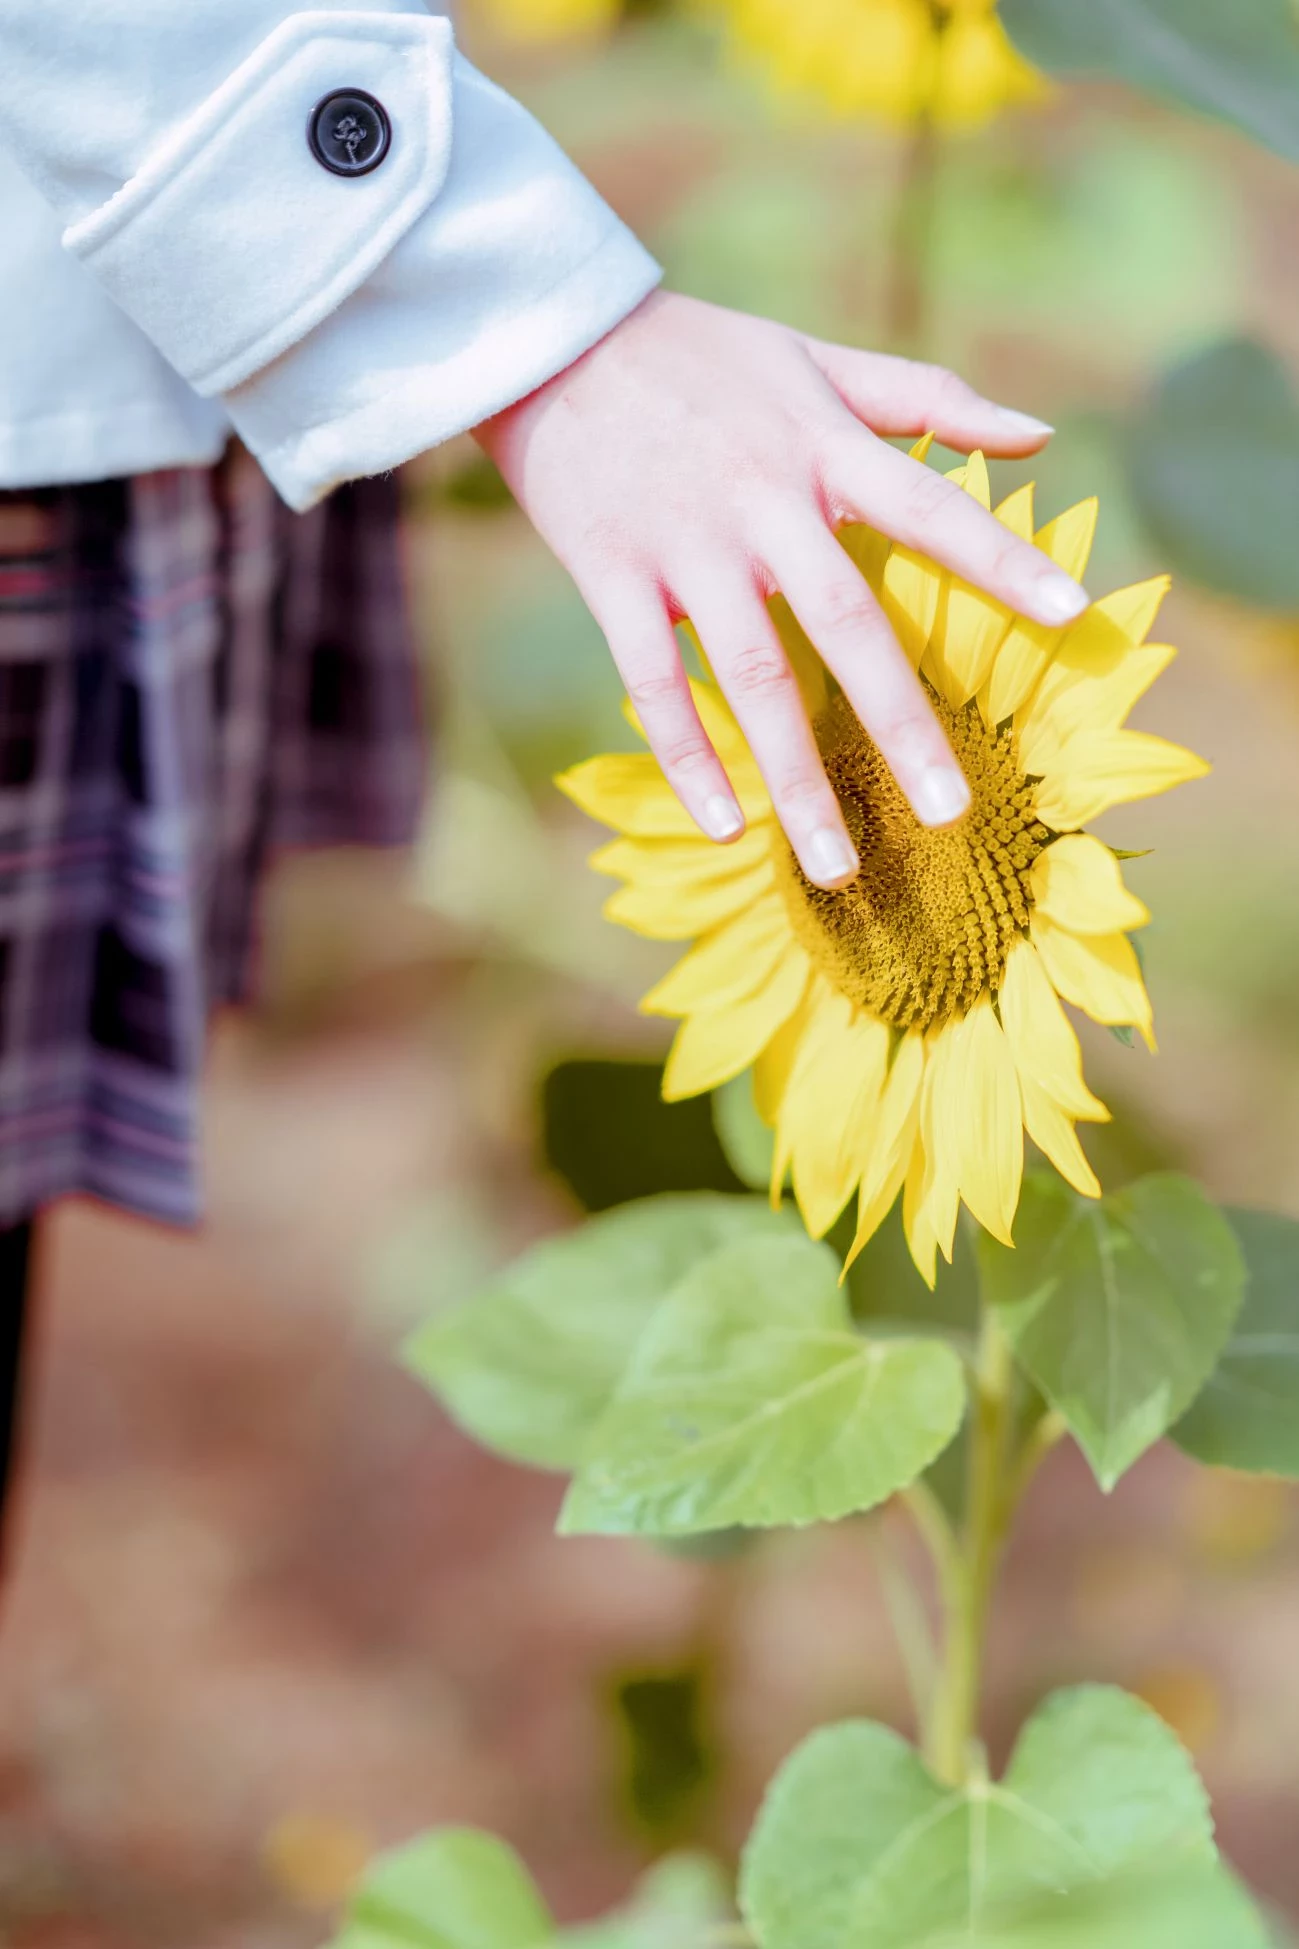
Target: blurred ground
x=266, y=1609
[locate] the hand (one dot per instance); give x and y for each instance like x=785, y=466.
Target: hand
x=697, y=460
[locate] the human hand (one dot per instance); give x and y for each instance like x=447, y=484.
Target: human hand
x=697, y=460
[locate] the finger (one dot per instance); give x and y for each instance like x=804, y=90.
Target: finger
x=921, y=509
x=644, y=646
x=847, y=625
x=899, y=397
x=750, y=664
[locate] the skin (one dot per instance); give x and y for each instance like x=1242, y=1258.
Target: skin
x=697, y=460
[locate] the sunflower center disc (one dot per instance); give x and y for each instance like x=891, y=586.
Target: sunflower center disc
x=928, y=923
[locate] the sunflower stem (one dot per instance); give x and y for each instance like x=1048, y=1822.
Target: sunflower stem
x=907, y=322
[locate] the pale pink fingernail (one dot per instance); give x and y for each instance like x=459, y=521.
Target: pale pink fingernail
x=829, y=856
x=941, y=796
x=1025, y=423
x=1059, y=599
x=723, y=818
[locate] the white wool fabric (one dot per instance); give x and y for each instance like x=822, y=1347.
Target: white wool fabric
x=179, y=263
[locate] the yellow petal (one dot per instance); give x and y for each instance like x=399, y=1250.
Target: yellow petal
x=912, y=587
x=868, y=551
x=669, y=862
x=1101, y=974
x=1096, y=675
x=726, y=965
x=985, y=1129
x=1041, y=1037
x=1057, y=1139
x=711, y=1048
x=680, y=910
x=917, y=1224
x=890, y=1141
x=1097, y=769
x=936, y=1200
x=1079, y=883
x=773, y=1068
x=629, y=792
x=725, y=736
x=842, y=1064
x=1029, y=647
x=975, y=479
x=1016, y=512
x=804, y=659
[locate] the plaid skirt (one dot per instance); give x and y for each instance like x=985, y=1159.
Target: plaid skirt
x=190, y=677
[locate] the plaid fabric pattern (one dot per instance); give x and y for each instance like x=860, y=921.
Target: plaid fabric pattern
x=190, y=677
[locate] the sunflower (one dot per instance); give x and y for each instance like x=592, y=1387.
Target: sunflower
x=905, y=1031
x=949, y=61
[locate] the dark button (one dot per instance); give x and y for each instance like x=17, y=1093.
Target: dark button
x=349, y=132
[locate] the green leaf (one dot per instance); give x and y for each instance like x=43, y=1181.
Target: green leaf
x=679, y=1904
x=1117, y=1308
x=752, y=1401
x=454, y=1889
x=1238, y=61
x=743, y=1136
x=1213, y=462
x=529, y=1366
x=1248, y=1414
x=1192, y=1906
x=857, y=1842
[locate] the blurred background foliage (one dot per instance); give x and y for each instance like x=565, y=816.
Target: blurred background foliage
x=275, y=1611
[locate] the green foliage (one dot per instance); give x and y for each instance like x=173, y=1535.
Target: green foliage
x=751, y=1400
x=1238, y=61
x=453, y=1889
x=529, y=1366
x=1248, y=1414
x=611, y=1137
x=744, y=1137
x=858, y=1843
x=1118, y=1308
x=1198, y=1907
x=456, y=1888
x=1214, y=465
x=667, y=1752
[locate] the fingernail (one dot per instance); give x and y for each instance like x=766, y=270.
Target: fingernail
x=723, y=818
x=829, y=856
x=1032, y=429
x=941, y=796
x=1059, y=599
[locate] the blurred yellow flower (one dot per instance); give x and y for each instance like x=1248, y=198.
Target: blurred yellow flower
x=905, y=1031
x=947, y=60
x=549, y=20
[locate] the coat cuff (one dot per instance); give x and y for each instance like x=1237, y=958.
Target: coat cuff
x=230, y=243
x=514, y=270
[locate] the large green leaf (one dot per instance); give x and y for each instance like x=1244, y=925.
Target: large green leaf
x=453, y=1889
x=1190, y=1906
x=752, y=1401
x=1214, y=466
x=529, y=1366
x=682, y=1903
x=1118, y=1308
x=857, y=1842
x=1237, y=59
x=1248, y=1414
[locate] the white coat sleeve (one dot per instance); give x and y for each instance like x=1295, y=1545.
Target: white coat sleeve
x=347, y=322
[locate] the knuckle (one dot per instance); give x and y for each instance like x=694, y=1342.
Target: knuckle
x=803, y=791
x=681, y=757
x=650, y=691
x=848, y=609
x=947, y=388
x=760, y=670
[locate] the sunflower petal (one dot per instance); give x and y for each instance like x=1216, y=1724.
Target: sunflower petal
x=1100, y=975
x=1016, y=512
x=936, y=1201
x=713, y=1047
x=1097, y=665
x=725, y=736
x=985, y=1124
x=1098, y=769
x=917, y=1223
x=840, y=1061
x=1029, y=647
x=1079, y=883
x=1057, y=1139
x=910, y=595
x=774, y=1067
x=680, y=910
x=884, y=1163
x=726, y=965
x=668, y=862
x=1041, y=1037
x=628, y=791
